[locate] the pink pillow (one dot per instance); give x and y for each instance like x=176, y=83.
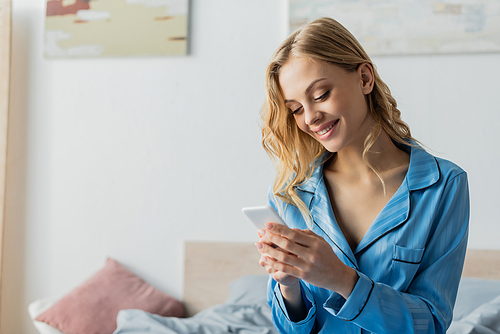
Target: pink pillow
x=92, y=307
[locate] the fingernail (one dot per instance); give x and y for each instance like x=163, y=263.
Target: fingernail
x=258, y=245
x=269, y=226
x=262, y=233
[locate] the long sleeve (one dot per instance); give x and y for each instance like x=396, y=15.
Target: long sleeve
x=280, y=315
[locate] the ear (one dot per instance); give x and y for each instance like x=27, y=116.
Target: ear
x=365, y=72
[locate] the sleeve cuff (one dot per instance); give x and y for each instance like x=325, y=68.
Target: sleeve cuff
x=351, y=308
x=305, y=325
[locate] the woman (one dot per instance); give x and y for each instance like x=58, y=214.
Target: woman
x=378, y=226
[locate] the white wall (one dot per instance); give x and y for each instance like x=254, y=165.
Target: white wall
x=130, y=157
x=451, y=105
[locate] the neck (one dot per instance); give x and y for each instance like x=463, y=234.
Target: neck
x=384, y=155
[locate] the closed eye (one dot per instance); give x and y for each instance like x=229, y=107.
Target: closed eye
x=296, y=110
x=323, y=96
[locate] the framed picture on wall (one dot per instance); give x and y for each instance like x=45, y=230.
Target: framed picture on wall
x=100, y=28
x=412, y=26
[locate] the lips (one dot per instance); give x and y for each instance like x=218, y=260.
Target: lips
x=324, y=131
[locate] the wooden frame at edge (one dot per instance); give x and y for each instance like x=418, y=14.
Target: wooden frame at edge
x=5, y=46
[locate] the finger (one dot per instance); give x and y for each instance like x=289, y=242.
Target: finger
x=264, y=236
x=263, y=249
x=260, y=247
x=311, y=233
x=281, y=267
x=263, y=263
x=283, y=244
x=296, y=235
x=279, y=255
x=307, y=231
x=293, y=243
x=278, y=228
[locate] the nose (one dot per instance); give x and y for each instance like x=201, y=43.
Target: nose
x=312, y=115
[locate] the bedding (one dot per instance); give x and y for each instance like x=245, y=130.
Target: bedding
x=477, y=311
x=245, y=311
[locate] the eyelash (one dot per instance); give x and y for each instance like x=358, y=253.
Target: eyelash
x=318, y=99
x=323, y=97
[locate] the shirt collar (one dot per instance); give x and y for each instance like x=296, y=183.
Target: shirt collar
x=311, y=184
x=423, y=171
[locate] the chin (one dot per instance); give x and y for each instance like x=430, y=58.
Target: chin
x=337, y=144
x=332, y=148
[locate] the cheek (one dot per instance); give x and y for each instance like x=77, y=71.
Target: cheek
x=299, y=120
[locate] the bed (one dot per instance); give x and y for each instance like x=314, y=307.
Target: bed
x=224, y=294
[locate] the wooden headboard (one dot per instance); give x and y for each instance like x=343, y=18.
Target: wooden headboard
x=211, y=266
x=482, y=263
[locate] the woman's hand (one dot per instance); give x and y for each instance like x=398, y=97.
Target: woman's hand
x=289, y=285
x=289, y=255
x=279, y=276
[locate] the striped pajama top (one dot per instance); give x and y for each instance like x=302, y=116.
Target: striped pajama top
x=409, y=262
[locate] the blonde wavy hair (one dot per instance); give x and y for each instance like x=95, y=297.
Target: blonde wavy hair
x=294, y=152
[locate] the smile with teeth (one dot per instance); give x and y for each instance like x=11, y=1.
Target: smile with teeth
x=322, y=132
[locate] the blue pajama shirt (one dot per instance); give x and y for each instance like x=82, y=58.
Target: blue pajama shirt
x=409, y=262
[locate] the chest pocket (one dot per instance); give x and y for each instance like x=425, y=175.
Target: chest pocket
x=405, y=263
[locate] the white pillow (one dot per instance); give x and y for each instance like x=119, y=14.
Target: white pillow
x=248, y=290
x=36, y=308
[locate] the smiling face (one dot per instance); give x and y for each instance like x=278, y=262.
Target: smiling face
x=328, y=102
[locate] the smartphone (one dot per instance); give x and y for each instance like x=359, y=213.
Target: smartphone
x=260, y=215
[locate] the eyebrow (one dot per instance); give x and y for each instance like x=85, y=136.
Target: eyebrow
x=308, y=89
